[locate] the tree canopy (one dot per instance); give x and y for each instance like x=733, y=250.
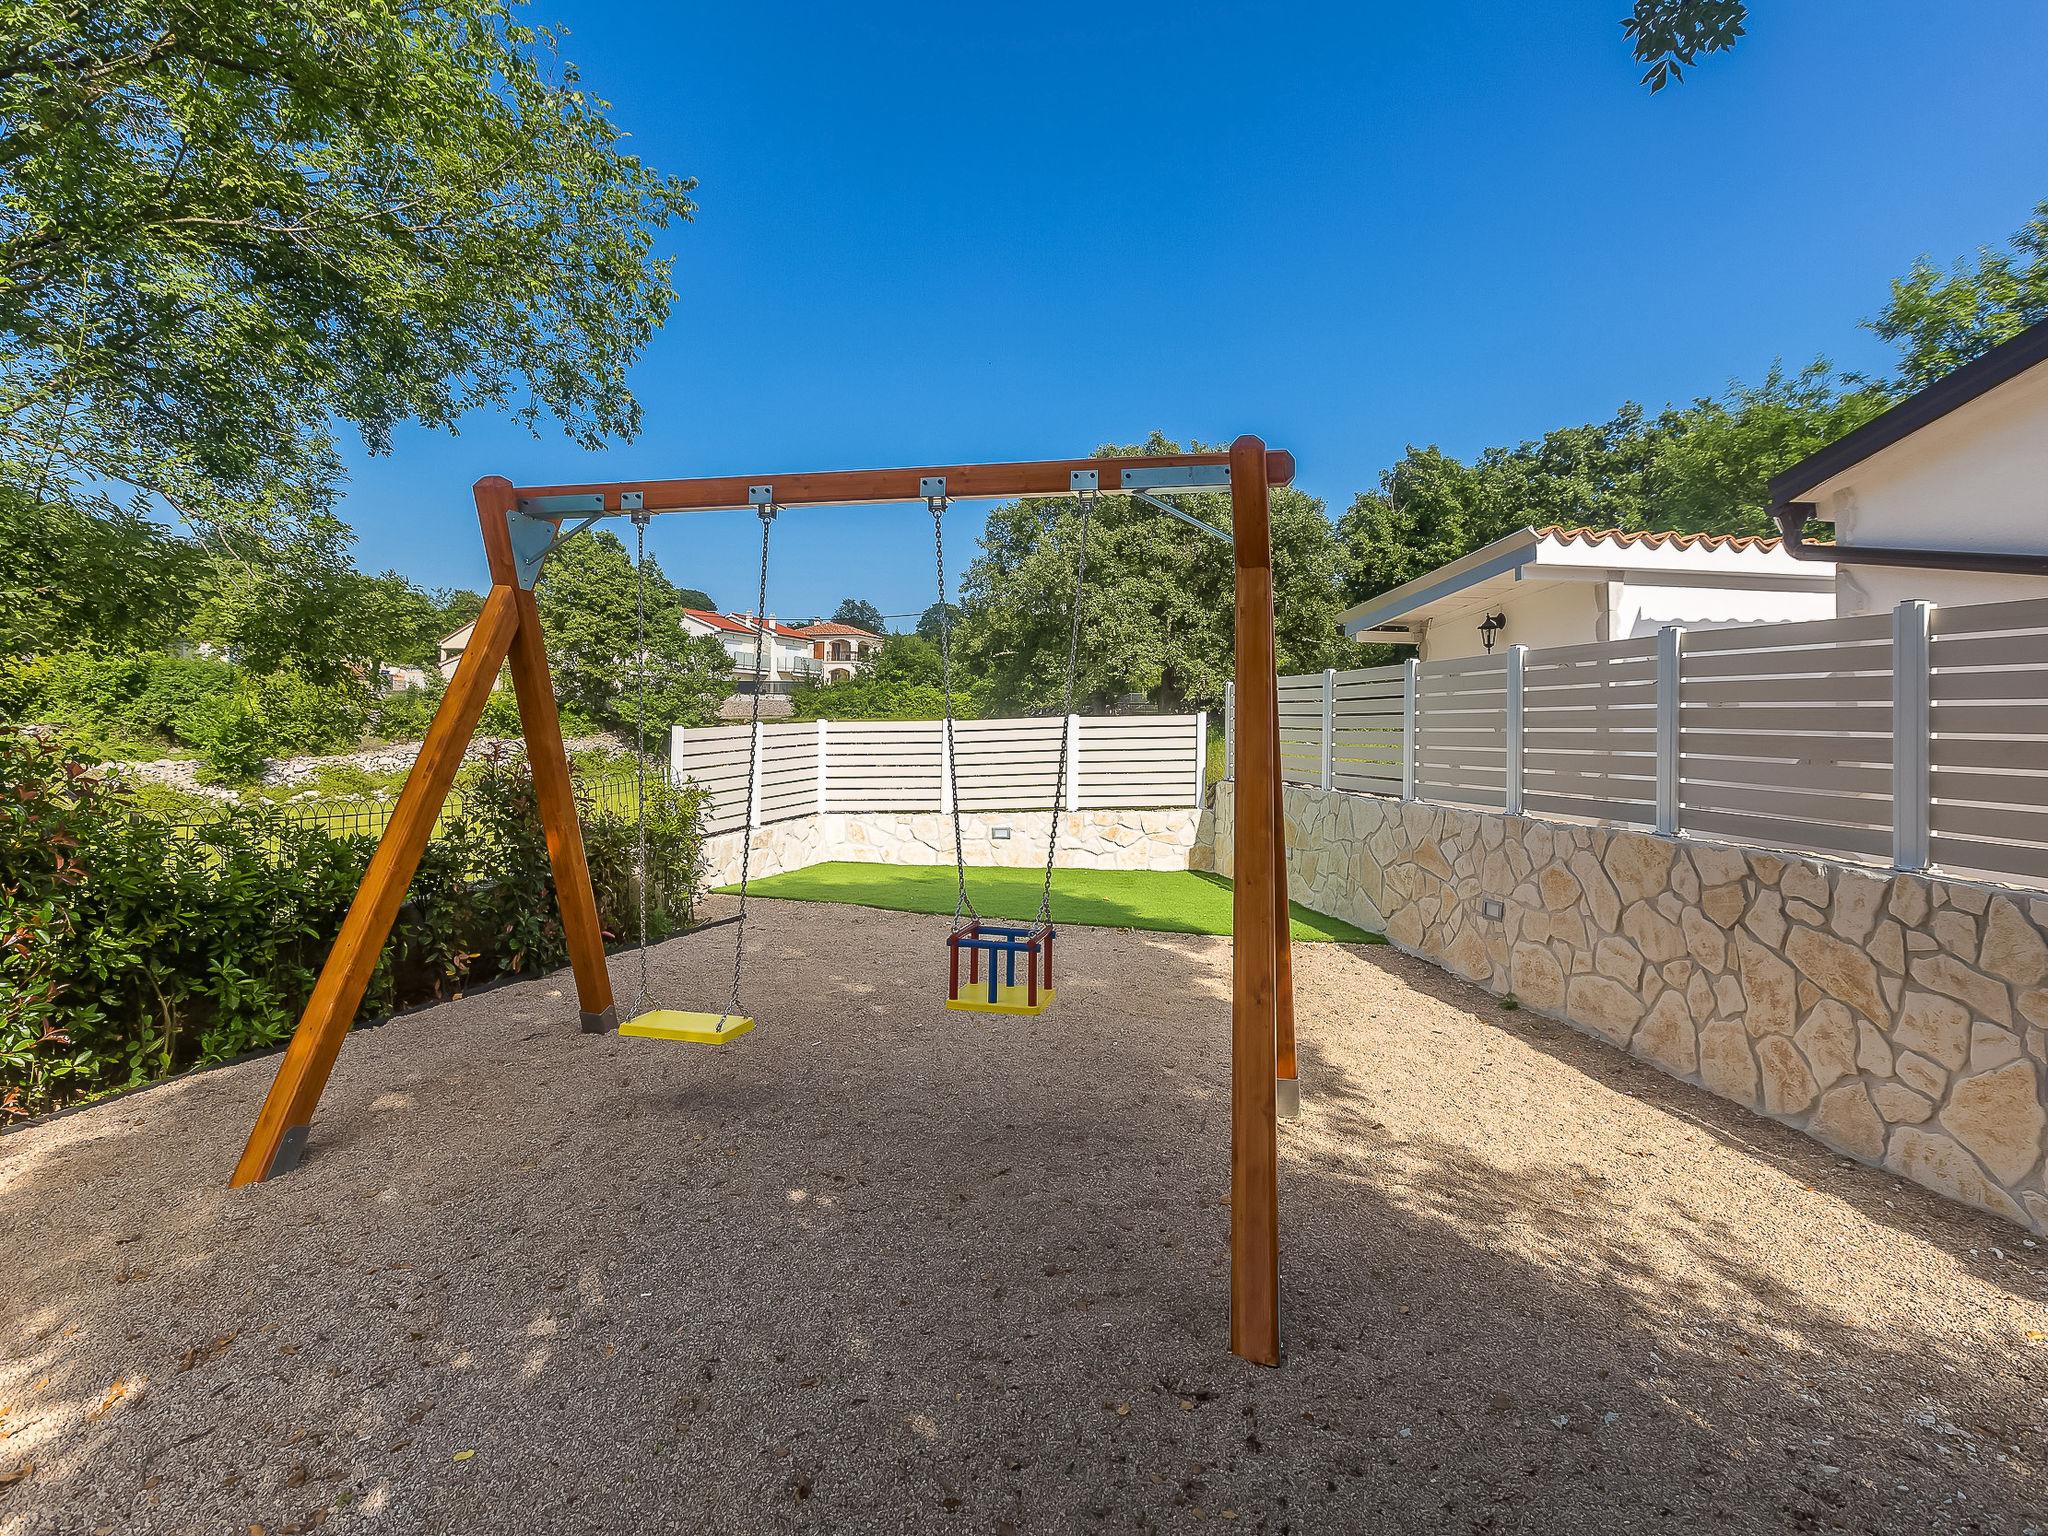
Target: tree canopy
x=1941, y=320
x=1698, y=468
x=905, y=682
x=226, y=225
x=1670, y=35
x=1156, y=612
x=588, y=611
x=861, y=614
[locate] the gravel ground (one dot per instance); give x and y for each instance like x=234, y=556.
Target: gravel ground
x=884, y=1268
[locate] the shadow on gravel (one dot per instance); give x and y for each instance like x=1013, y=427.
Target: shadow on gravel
x=1966, y=1236
x=886, y=1268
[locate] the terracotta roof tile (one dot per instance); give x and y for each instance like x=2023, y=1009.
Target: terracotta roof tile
x=824, y=631
x=1740, y=542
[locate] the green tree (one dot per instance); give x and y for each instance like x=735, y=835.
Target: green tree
x=70, y=579
x=1710, y=464
x=861, y=614
x=1430, y=509
x=273, y=602
x=1700, y=468
x=933, y=621
x=1157, y=610
x=587, y=601
x=456, y=606
x=227, y=224
x=1941, y=320
x=1670, y=35
x=401, y=625
x=905, y=682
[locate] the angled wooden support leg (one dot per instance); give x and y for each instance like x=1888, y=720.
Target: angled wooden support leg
x=1287, y=1087
x=279, y=1134
x=1254, y=1135
x=541, y=724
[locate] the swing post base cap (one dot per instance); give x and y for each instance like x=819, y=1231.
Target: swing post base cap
x=603, y=1022
x=693, y=1028
x=1287, y=1097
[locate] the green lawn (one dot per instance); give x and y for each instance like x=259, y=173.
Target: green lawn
x=1170, y=901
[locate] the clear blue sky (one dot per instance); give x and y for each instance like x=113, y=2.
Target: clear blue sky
x=940, y=233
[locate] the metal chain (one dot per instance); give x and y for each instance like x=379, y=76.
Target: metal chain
x=1059, y=791
x=961, y=902
x=640, y=747
x=739, y=943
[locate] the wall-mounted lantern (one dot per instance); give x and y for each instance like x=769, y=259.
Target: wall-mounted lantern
x=1490, y=628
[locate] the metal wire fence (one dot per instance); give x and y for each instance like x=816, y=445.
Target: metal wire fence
x=368, y=816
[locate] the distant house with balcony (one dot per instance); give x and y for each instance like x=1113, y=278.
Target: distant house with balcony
x=792, y=655
x=452, y=649
x=841, y=649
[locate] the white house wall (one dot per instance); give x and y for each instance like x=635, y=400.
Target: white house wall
x=1566, y=613
x=1643, y=609
x=1976, y=479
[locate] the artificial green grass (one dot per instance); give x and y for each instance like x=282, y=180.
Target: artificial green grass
x=1167, y=901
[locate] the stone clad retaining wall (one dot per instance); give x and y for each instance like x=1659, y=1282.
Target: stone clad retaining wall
x=1098, y=839
x=1901, y=1019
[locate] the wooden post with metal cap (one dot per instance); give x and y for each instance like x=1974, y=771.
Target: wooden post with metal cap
x=1254, y=1130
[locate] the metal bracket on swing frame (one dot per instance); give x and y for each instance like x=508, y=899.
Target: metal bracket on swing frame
x=537, y=530
x=1139, y=484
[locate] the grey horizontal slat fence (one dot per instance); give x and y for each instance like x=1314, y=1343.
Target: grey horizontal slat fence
x=1917, y=737
x=813, y=766
x=1988, y=761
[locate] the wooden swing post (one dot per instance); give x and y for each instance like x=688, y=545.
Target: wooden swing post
x=1258, y=912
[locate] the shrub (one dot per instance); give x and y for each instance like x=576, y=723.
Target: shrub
x=233, y=745
x=131, y=947
x=303, y=716
x=501, y=714
x=174, y=690
x=405, y=715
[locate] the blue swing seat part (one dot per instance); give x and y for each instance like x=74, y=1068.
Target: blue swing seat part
x=1003, y=992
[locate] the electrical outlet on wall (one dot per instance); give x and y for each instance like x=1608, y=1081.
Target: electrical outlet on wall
x=1490, y=906
x=999, y=834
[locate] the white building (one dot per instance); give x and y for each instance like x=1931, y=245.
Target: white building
x=1544, y=587
x=1944, y=497
x=453, y=647
x=791, y=655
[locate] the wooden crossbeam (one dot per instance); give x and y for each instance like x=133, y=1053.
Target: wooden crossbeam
x=858, y=487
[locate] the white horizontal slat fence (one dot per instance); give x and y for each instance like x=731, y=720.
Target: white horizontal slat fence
x=1918, y=737
x=1123, y=761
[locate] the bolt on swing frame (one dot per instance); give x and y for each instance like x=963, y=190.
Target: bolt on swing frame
x=522, y=524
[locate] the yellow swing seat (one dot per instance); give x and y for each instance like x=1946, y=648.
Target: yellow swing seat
x=692, y=1028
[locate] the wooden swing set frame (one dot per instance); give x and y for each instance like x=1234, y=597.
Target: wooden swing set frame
x=521, y=523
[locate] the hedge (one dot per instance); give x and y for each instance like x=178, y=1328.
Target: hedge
x=131, y=948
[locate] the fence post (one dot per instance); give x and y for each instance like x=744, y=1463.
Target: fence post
x=1073, y=762
x=1328, y=777
x=1911, y=725
x=1201, y=755
x=1411, y=671
x=1230, y=730
x=822, y=756
x=674, y=772
x=1513, y=773
x=1670, y=658
x=945, y=768
x=754, y=778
